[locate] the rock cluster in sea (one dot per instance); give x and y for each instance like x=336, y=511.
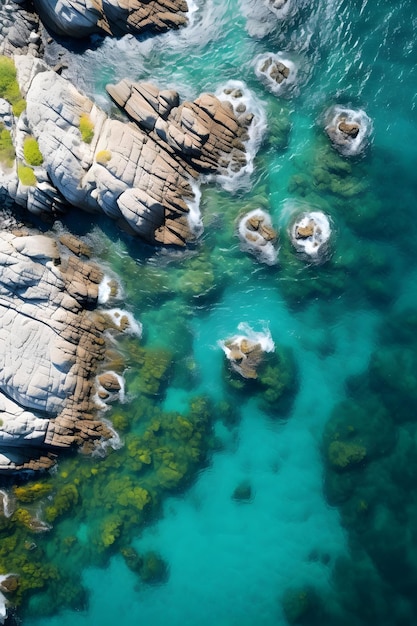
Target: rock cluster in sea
x=137, y=173
x=258, y=237
x=61, y=150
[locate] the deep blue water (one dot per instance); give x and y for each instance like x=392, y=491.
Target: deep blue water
x=303, y=531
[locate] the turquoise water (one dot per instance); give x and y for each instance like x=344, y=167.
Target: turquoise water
x=311, y=544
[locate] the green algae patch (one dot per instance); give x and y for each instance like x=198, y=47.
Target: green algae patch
x=91, y=509
x=66, y=498
x=26, y=175
x=153, y=366
x=32, y=491
x=243, y=492
x=103, y=157
x=343, y=455
x=31, y=152
x=7, y=152
x=86, y=127
x=150, y=566
x=9, y=87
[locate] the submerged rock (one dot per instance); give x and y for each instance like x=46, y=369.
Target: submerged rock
x=348, y=129
x=51, y=346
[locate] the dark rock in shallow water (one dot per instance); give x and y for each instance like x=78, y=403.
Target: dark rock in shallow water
x=243, y=492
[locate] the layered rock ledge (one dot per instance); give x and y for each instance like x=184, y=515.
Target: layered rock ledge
x=52, y=345
x=80, y=18
x=139, y=173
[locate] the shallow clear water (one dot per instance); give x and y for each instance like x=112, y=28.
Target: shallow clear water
x=230, y=562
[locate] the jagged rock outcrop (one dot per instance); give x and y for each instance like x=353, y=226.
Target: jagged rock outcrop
x=137, y=173
x=19, y=30
x=80, y=18
x=51, y=346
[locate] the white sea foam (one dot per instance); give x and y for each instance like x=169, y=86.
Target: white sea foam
x=105, y=289
x=345, y=144
x=266, y=65
x=115, y=442
x=263, y=338
x=262, y=17
x=8, y=504
x=119, y=318
x=3, y=601
x=244, y=104
x=252, y=241
x=194, y=216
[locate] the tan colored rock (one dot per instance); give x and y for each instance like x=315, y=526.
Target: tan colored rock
x=75, y=245
x=302, y=232
x=350, y=129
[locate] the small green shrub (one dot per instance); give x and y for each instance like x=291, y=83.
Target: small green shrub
x=86, y=128
x=9, y=87
x=26, y=175
x=103, y=157
x=7, y=153
x=31, y=152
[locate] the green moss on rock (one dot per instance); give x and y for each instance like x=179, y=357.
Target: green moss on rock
x=9, y=87
x=7, y=152
x=31, y=152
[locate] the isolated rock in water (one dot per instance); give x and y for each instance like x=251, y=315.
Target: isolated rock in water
x=51, y=345
x=80, y=18
x=245, y=351
x=310, y=234
x=277, y=73
x=348, y=129
x=139, y=174
x=258, y=237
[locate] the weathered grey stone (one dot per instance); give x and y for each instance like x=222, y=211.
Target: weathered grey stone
x=51, y=346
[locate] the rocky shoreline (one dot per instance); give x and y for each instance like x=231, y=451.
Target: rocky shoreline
x=53, y=344
x=60, y=150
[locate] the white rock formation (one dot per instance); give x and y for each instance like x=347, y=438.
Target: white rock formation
x=51, y=345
